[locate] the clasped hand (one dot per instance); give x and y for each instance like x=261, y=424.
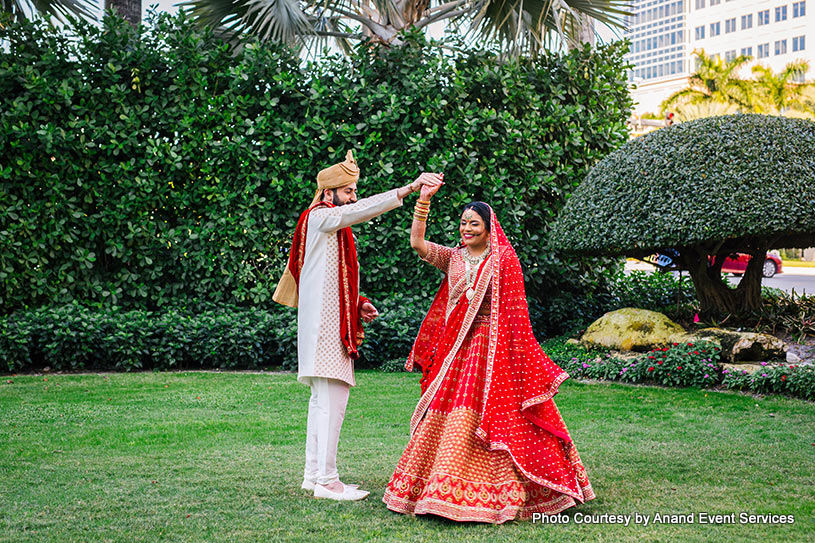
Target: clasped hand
x=429, y=183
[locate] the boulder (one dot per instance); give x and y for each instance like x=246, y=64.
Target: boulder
x=793, y=358
x=631, y=329
x=742, y=347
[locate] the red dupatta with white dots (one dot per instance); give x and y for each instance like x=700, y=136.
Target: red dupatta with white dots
x=520, y=378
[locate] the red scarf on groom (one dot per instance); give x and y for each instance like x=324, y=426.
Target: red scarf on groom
x=350, y=301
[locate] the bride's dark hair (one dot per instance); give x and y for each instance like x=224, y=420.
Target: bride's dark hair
x=483, y=210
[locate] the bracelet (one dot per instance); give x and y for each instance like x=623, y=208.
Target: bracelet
x=421, y=210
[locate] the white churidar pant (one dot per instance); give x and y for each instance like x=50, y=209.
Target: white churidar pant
x=326, y=411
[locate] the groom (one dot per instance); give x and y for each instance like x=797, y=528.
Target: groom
x=322, y=281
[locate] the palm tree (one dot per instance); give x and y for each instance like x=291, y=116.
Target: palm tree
x=688, y=111
x=129, y=10
x=715, y=80
x=783, y=92
x=518, y=25
x=59, y=9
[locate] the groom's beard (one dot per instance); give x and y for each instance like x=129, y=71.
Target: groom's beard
x=336, y=201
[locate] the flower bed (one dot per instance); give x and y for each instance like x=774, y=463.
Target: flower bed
x=696, y=364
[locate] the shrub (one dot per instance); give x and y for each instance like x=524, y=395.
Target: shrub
x=794, y=380
x=72, y=337
x=681, y=364
x=713, y=186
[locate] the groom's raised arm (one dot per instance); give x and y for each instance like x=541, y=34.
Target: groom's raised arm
x=331, y=219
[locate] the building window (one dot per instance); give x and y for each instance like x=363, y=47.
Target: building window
x=764, y=17
x=730, y=55
x=764, y=50
x=747, y=51
x=700, y=32
x=780, y=13
x=700, y=4
x=715, y=29
x=781, y=47
x=715, y=2
x=798, y=43
x=730, y=25
x=799, y=9
x=747, y=21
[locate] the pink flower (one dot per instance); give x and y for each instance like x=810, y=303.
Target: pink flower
x=706, y=376
x=696, y=317
x=763, y=363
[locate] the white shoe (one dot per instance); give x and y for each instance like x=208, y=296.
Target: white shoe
x=348, y=493
x=309, y=485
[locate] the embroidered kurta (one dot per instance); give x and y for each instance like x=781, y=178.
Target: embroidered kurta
x=320, y=352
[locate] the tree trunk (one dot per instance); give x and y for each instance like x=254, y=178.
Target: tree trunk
x=585, y=33
x=129, y=10
x=714, y=294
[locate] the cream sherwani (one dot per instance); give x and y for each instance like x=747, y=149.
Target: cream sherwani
x=320, y=351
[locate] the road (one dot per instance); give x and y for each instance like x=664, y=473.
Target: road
x=800, y=279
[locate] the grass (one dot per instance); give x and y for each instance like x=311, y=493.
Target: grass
x=218, y=457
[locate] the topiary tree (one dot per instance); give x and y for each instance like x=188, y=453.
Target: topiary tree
x=707, y=188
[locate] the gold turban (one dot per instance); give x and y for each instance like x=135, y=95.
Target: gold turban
x=337, y=176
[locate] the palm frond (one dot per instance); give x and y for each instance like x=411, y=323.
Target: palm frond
x=59, y=9
x=274, y=20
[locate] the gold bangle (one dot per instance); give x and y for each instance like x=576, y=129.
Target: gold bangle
x=423, y=202
x=420, y=219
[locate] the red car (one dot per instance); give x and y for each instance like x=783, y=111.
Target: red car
x=738, y=265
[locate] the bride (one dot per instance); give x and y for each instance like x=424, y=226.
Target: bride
x=487, y=442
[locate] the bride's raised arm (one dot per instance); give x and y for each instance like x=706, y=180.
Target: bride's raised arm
x=420, y=213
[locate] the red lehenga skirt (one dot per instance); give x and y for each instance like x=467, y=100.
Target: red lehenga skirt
x=447, y=470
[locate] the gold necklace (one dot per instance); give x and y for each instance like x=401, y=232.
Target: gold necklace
x=471, y=265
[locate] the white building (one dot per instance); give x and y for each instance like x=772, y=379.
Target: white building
x=664, y=34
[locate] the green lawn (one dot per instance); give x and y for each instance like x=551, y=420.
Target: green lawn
x=218, y=457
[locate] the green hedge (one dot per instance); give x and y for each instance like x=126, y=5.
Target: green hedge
x=72, y=338
x=208, y=335
x=147, y=169
x=204, y=335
